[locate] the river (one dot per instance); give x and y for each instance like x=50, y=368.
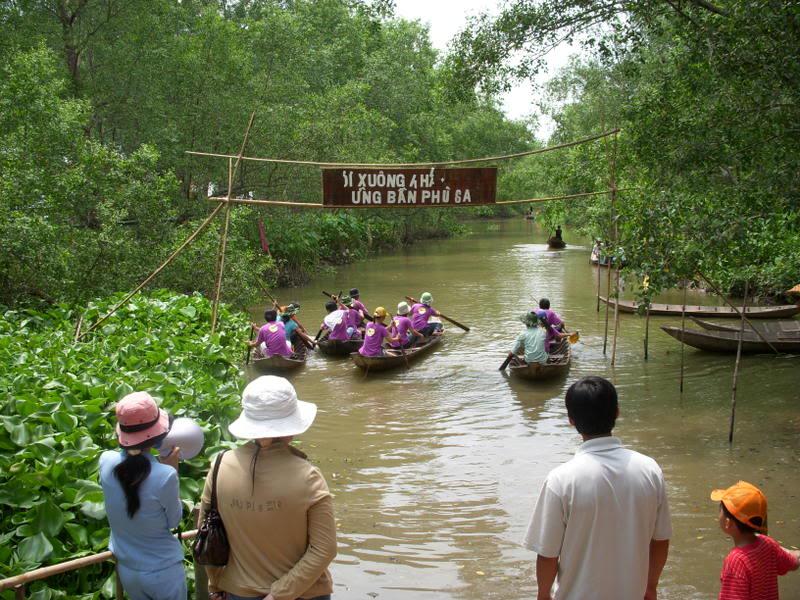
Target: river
x=435, y=469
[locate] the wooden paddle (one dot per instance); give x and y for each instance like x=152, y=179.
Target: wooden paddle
x=574, y=337
x=441, y=314
x=249, y=347
x=506, y=362
x=366, y=316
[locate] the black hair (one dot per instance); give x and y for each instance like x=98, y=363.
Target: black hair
x=286, y=318
x=270, y=315
x=133, y=470
x=544, y=304
x=354, y=292
x=331, y=306
x=592, y=405
x=743, y=527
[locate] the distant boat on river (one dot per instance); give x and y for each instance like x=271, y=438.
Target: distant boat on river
x=693, y=310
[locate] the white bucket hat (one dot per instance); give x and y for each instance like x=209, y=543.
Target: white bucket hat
x=270, y=409
x=403, y=308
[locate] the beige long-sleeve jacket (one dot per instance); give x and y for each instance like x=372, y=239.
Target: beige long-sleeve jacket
x=282, y=530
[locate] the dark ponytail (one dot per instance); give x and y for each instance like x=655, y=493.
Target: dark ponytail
x=130, y=473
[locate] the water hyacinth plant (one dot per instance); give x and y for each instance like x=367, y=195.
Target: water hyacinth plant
x=56, y=417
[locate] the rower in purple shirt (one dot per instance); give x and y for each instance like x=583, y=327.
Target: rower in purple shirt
x=401, y=326
x=335, y=322
x=421, y=312
x=374, y=334
x=554, y=323
x=359, y=306
x=272, y=336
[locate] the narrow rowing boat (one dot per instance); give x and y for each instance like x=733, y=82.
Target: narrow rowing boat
x=338, y=347
x=394, y=358
x=557, y=364
x=693, y=310
x=728, y=341
x=769, y=329
x=556, y=243
x=277, y=363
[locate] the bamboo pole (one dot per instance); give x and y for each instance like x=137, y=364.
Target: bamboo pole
x=739, y=312
x=646, y=328
x=598, y=284
x=313, y=163
x=683, y=325
x=608, y=295
x=736, y=366
x=223, y=242
x=191, y=238
x=616, y=321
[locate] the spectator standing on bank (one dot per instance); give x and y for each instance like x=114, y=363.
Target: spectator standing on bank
x=143, y=504
x=601, y=524
x=751, y=569
x=276, y=507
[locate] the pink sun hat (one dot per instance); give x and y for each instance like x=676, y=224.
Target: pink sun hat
x=139, y=419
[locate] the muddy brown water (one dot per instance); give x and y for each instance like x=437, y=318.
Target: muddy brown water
x=435, y=469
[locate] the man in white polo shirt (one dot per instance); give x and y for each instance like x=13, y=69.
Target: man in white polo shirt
x=601, y=525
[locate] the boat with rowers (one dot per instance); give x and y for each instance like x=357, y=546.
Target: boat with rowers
x=393, y=358
x=557, y=364
x=278, y=363
x=693, y=310
x=338, y=347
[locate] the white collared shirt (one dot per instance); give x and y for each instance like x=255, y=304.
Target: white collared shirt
x=597, y=513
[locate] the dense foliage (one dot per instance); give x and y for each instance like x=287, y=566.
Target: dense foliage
x=100, y=99
x=708, y=97
x=57, y=417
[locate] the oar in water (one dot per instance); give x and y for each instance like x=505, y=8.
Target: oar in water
x=506, y=362
x=441, y=314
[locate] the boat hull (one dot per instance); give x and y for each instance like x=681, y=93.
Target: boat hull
x=728, y=341
x=556, y=243
x=692, y=310
x=276, y=363
x=391, y=360
x=339, y=347
x=557, y=365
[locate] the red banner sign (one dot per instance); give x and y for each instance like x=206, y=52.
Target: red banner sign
x=360, y=188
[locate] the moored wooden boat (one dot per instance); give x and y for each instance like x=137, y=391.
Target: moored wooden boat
x=338, y=347
x=769, y=329
x=694, y=310
x=557, y=365
x=393, y=358
x=556, y=243
x=728, y=341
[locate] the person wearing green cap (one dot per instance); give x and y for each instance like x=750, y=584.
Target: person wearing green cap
x=351, y=315
x=531, y=341
x=293, y=331
x=421, y=312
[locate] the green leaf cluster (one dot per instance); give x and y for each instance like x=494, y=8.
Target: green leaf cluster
x=56, y=416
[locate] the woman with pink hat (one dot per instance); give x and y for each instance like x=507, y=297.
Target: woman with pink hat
x=143, y=503
x=276, y=507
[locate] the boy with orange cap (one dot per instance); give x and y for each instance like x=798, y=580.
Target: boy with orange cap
x=751, y=569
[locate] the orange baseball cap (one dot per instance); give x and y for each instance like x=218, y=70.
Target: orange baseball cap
x=746, y=503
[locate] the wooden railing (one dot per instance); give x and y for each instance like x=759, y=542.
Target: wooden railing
x=18, y=582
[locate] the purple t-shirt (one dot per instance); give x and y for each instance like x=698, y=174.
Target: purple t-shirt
x=402, y=324
x=373, y=340
x=339, y=329
x=553, y=321
x=420, y=313
x=353, y=317
x=273, y=335
x=358, y=305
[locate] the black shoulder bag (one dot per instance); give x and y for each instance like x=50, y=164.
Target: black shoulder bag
x=211, y=547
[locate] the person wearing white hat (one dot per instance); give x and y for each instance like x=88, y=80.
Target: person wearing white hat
x=142, y=502
x=401, y=326
x=276, y=507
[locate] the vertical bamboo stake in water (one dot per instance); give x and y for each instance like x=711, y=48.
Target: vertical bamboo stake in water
x=224, y=237
x=616, y=321
x=683, y=325
x=646, y=328
x=598, y=282
x=608, y=305
x=736, y=366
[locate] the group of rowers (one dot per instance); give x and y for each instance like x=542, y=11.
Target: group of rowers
x=544, y=333
x=348, y=319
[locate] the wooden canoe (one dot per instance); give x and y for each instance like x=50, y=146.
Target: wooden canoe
x=393, y=359
x=727, y=341
x=556, y=243
x=277, y=363
x=338, y=347
x=769, y=329
x=557, y=364
x=693, y=310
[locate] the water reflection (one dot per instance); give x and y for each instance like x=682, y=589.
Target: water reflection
x=435, y=469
